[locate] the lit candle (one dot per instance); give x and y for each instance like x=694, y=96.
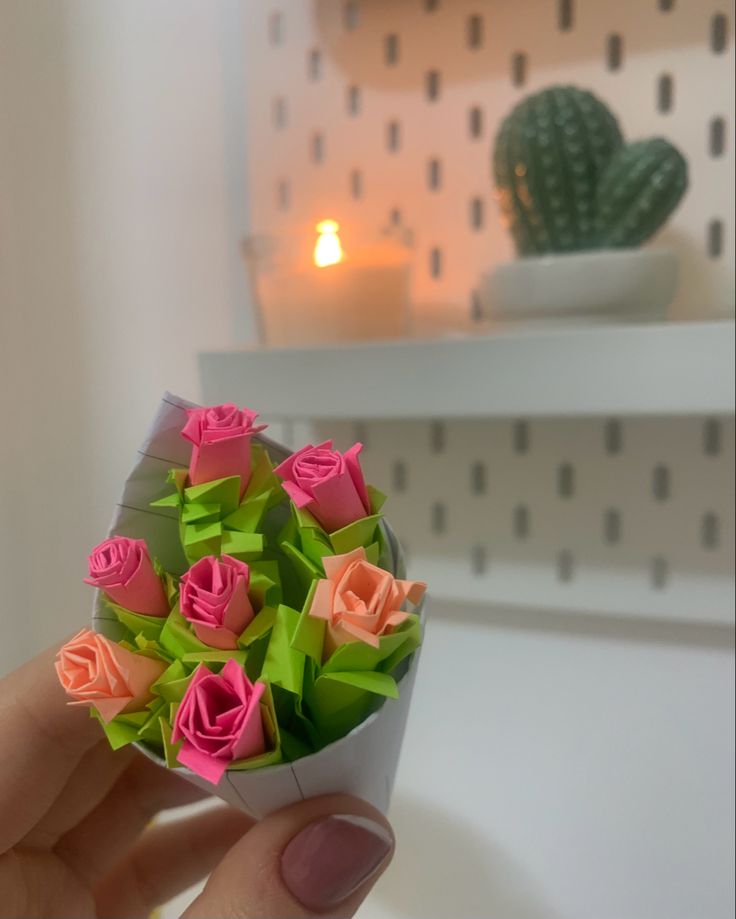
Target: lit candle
x=356, y=296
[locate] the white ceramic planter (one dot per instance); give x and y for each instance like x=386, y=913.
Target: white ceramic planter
x=610, y=285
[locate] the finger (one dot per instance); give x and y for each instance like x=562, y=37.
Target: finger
x=318, y=857
x=91, y=781
x=43, y=741
x=92, y=847
x=168, y=859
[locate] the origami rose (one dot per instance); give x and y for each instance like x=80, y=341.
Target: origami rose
x=328, y=483
x=214, y=598
x=122, y=568
x=219, y=720
x=95, y=671
x=221, y=437
x=360, y=601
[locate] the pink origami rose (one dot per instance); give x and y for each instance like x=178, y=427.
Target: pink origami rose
x=95, y=671
x=219, y=720
x=360, y=601
x=214, y=598
x=221, y=436
x=122, y=568
x=328, y=483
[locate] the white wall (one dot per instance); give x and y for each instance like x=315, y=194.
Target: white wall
x=121, y=208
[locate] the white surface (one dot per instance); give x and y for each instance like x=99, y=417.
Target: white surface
x=434, y=136
x=612, y=285
x=678, y=369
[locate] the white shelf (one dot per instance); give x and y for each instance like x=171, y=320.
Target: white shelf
x=666, y=369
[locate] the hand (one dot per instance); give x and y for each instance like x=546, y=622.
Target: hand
x=76, y=839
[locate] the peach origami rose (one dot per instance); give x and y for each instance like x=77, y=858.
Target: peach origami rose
x=95, y=671
x=360, y=601
x=221, y=436
x=122, y=568
x=214, y=598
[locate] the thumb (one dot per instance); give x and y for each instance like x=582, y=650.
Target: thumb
x=320, y=856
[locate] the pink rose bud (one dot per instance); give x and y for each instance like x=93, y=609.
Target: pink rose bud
x=122, y=568
x=214, y=598
x=329, y=484
x=95, y=671
x=219, y=720
x=360, y=601
x=221, y=437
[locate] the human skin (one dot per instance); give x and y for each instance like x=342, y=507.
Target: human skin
x=77, y=838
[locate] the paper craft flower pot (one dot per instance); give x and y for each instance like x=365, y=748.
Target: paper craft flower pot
x=362, y=763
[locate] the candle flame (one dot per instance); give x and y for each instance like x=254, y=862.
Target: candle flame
x=328, y=250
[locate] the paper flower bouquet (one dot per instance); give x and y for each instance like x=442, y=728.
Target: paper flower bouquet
x=251, y=617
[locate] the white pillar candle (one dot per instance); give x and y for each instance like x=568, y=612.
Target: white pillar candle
x=364, y=297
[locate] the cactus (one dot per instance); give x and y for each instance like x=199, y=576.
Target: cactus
x=567, y=182
x=639, y=189
x=549, y=154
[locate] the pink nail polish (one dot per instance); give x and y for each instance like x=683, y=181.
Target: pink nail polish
x=332, y=857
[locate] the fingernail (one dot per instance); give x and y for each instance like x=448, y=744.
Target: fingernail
x=331, y=858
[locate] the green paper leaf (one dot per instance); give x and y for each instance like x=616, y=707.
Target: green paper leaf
x=304, y=569
x=215, y=657
x=172, y=683
x=379, y=683
x=248, y=516
x=359, y=655
x=376, y=498
x=284, y=665
x=360, y=533
x=170, y=749
x=412, y=629
x=225, y=492
x=265, y=584
x=200, y=513
x=259, y=626
x=148, y=626
x=177, y=637
x=309, y=635
x=173, y=500
x=243, y=546
x=263, y=480
x=197, y=533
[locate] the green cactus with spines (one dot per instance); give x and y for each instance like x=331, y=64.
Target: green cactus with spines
x=551, y=155
x=638, y=190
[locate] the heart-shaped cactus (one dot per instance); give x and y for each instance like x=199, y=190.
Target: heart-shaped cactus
x=566, y=181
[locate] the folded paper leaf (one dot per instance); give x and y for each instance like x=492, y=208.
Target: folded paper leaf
x=215, y=517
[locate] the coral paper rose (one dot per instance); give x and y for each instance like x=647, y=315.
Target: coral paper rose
x=329, y=484
x=221, y=436
x=122, y=568
x=95, y=671
x=360, y=601
x=214, y=598
x=219, y=720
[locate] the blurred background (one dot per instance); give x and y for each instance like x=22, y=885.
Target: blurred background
x=564, y=484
